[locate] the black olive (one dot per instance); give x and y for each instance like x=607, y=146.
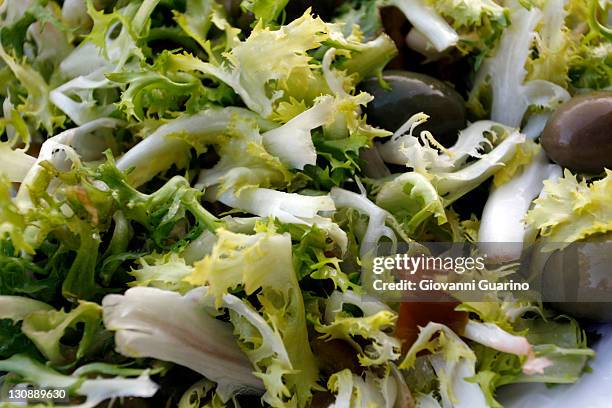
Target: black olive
x=411, y=93
x=577, y=280
x=579, y=134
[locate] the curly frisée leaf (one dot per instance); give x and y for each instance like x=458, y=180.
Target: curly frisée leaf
x=424, y=154
x=152, y=92
x=525, y=154
x=163, y=271
x=12, y=221
x=95, y=390
x=292, y=142
x=373, y=328
x=452, y=185
x=265, y=10
x=466, y=12
x=249, y=74
x=518, y=342
x=37, y=106
x=159, y=210
x=492, y=143
x=199, y=18
x=46, y=329
x=571, y=210
x=428, y=22
x=491, y=335
x=313, y=255
x=472, y=26
x=367, y=304
x=200, y=395
x=13, y=310
x=114, y=43
x=453, y=363
x=59, y=151
x=263, y=261
x=503, y=75
x=263, y=344
x=76, y=98
x=412, y=199
x=14, y=162
x=554, y=46
x=504, y=212
x=134, y=20
x=404, y=147
x=246, y=160
x=354, y=391
x=590, y=56
x=170, y=143
x=241, y=259
x=290, y=208
x=16, y=308
x=145, y=324
x=376, y=228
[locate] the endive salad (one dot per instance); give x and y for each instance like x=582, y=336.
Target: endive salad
x=189, y=190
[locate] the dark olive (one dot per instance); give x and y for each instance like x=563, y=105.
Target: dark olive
x=579, y=134
x=412, y=93
x=577, y=280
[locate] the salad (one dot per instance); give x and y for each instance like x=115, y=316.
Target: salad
x=190, y=192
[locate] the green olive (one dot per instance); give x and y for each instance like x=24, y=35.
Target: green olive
x=579, y=134
x=411, y=93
